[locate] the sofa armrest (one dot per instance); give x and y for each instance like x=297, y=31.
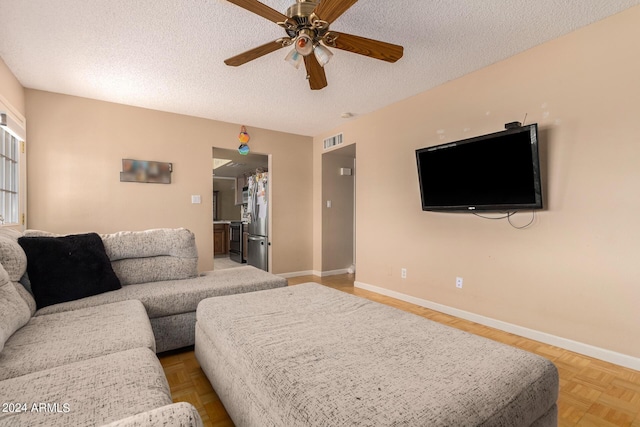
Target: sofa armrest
x=181, y=414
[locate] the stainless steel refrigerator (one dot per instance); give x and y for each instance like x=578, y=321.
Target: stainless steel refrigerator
x=257, y=206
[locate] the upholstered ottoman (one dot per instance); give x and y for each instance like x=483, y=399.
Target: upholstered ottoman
x=308, y=355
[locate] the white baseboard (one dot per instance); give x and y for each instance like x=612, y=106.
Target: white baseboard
x=298, y=273
x=314, y=273
x=575, y=346
x=333, y=272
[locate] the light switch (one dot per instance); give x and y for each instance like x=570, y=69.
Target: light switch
x=328, y=203
x=196, y=199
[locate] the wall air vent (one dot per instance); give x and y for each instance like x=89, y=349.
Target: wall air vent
x=332, y=141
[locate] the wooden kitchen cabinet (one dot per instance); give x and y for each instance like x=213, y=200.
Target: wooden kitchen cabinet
x=220, y=239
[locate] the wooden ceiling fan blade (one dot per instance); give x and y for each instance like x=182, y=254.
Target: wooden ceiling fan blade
x=368, y=47
x=260, y=9
x=317, y=77
x=330, y=10
x=254, y=53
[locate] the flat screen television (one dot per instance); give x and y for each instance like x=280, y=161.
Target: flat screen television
x=494, y=172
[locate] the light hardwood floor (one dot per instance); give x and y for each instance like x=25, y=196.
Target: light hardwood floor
x=592, y=392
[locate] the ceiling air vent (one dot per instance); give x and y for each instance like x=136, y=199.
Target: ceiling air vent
x=332, y=141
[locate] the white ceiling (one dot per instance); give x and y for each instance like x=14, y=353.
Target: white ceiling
x=168, y=54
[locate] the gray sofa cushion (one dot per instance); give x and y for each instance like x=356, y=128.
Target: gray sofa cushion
x=60, y=339
x=26, y=296
x=10, y=232
x=178, y=242
x=14, y=312
x=40, y=233
x=152, y=255
x=158, y=268
x=14, y=260
x=175, y=331
x=180, y=296
x=12, y=257
x=181, y=414
x=89, y=393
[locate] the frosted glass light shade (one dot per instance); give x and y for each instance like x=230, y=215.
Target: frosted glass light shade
x=304, y=44
x=323, y=55
x=294, y=58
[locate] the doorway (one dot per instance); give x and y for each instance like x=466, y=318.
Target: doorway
x=338, y=211
x=230, y=175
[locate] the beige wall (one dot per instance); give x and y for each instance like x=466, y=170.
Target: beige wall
x=337, y=221
x=11, y=89
x=575, y=272
x=75, y=151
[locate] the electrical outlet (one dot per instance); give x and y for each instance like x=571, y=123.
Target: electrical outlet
x=459, y=282
x=403, y=273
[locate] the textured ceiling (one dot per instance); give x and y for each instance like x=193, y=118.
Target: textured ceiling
x=168, y=54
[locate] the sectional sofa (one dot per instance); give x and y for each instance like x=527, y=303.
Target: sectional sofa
x=79, y=331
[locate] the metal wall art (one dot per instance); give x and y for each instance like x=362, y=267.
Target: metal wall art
x=146, y=171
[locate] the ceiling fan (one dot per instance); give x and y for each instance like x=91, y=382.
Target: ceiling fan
x=307, y=26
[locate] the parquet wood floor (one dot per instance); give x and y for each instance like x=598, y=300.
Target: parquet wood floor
x=593, y=393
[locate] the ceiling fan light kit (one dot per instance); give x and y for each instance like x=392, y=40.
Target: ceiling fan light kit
x=307, y=26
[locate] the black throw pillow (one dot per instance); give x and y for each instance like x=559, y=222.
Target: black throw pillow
x=67, y=268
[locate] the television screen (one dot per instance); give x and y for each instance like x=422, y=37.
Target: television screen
x=495, y=172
